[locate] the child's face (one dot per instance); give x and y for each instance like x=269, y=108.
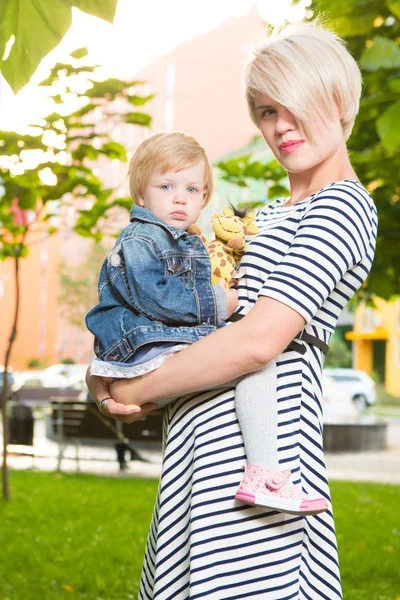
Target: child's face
x=176, y=197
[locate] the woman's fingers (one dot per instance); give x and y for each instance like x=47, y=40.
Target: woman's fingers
x=145, y=410
x=126, y=413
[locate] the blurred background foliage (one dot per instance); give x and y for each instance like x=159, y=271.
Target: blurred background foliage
x=371, y=29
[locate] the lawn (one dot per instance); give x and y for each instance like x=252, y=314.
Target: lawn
x=80, y=536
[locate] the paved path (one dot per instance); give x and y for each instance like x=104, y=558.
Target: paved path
x=383, y=466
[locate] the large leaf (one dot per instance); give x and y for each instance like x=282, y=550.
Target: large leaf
x=394, y=7
x=383, y=54
x=388, y=127
x=38, y=27
x=104, y=9
x=352, y=25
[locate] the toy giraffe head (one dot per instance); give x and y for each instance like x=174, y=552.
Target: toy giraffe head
x=232, y=226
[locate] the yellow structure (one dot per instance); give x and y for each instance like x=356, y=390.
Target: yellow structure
x=376, y=342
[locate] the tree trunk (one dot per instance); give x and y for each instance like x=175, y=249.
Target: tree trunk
x=13, y=335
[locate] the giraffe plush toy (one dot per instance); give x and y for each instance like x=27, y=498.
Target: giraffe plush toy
x=230, y=228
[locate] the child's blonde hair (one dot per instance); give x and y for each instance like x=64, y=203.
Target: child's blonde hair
x=171, y=151
x=307, y=69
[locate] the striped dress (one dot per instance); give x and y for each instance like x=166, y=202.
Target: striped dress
x=203, y=544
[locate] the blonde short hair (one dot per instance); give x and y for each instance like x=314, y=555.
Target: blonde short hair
x=171, y=151
x=307, y=69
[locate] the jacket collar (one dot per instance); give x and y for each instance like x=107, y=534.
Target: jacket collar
x=139, y=213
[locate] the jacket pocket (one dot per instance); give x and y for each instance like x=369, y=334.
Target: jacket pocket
x=181, y=267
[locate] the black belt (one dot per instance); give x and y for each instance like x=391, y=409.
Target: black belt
x=294, y=345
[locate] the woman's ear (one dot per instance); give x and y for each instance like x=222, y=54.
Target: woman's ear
x=140, y=201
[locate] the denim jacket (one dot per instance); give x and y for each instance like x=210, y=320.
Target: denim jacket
x=154, y=286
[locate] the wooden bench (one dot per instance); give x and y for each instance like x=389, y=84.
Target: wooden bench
x=76, y=421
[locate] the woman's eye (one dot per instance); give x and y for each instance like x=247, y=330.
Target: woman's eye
x=267, y=113
x=192, y=190
x=166, y=186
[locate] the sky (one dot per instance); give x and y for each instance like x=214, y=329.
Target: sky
x=141, y=33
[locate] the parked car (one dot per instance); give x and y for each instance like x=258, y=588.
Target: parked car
x=62, y=376
x=57, y=376
x=357, y=386
x=11, y=385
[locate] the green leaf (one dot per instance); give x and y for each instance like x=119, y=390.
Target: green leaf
x=48, y=20
x=352, y=25
x=139, y=118
x=104, y=9
x=139, y=100
x=123, y=202
x=108, y=87
x=38, y=27
x=85, y=151
x=383, y=54
x=277, y=191
x=394, y=7
x=82, y=111
x=394, y=85
x=114, y=150
x=80, y=53
x=388, y=127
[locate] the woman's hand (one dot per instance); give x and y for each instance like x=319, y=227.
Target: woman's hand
x=124, y=413
x=99, y=388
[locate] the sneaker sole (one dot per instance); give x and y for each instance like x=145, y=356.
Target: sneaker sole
x=292, y=507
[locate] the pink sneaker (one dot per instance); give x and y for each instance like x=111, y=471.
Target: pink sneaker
x=266, y=487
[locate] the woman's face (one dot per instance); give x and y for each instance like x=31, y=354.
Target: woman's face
x=289, y=144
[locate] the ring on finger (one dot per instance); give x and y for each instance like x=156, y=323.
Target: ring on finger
x=103, y=404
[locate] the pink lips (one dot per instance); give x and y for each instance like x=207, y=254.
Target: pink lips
x=178, y=214
x=291, y=146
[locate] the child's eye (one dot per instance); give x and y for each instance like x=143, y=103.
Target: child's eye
x=166, y=186
x=192, y=190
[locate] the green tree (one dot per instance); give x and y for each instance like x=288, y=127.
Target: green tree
x=65, y=145
x=79, y=291
x=35, y=27
x=371, y=29
x=338, y=355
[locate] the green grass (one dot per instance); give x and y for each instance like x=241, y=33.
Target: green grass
x=73, y=536
x=83, y=537
x=368, y=532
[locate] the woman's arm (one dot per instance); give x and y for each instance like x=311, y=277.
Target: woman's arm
x=239, y=348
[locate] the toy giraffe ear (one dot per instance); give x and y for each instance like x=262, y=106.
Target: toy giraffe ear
x=218, y=216
x=228, y=211
x=249, y=217
x=252, y=229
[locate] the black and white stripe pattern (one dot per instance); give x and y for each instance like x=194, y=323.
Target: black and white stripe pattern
x=202, y=543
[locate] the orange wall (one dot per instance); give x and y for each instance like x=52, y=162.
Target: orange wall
x=37, y=326
x=208, y=96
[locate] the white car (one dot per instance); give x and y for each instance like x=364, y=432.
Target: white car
x=345, y=387
x=62, y=376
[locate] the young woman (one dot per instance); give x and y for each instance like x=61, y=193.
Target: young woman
x=313, y=252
